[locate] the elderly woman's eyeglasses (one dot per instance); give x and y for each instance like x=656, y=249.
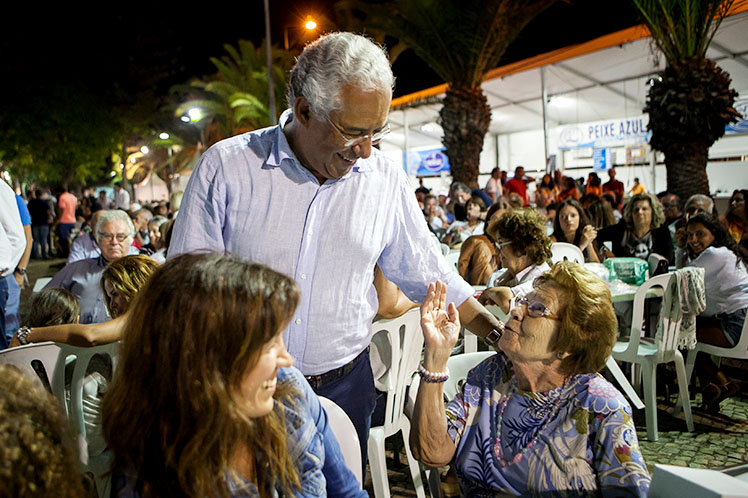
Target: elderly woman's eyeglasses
x=108, y=237
x=536, y=309
x=501, y=245
x=350, y=140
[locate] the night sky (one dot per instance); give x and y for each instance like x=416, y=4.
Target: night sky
x=135, y=45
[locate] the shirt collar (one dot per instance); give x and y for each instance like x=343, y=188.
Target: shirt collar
x=519, y=277
x=281, y=149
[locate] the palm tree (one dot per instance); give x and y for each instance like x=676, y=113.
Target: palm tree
x=460, y=41
x=235, y=99
x=690, y=102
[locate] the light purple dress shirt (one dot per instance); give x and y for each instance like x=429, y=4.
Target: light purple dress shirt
x=251, y=197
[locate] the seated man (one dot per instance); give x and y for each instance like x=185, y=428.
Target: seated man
x=114, y=233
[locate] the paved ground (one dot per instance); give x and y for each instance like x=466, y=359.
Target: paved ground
x=718, y=441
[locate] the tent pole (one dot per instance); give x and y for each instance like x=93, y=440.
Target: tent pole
x=545, y=121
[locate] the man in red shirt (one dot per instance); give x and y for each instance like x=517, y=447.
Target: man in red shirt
x=519, y=184
x=614, y=187
x=66, y=204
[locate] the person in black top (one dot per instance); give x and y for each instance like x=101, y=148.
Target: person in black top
x=41, y=216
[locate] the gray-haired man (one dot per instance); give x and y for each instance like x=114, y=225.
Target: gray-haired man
x=312, y=198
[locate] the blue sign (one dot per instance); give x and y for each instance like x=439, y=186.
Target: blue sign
x=429, y=162
x=601, y=160
x=742, y=125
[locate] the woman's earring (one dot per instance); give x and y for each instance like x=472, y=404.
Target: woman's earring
x=560, y=355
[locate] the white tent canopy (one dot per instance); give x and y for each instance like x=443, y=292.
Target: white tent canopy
x=601, y=80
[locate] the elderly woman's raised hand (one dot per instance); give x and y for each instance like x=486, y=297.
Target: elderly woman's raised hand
x=440, y=324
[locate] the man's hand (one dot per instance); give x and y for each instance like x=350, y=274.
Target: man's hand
x=500, y=296
x=20, y=279
x=14, y=342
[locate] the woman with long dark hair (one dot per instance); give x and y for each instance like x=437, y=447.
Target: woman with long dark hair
x=205, y=401
x=573, y=226
x=725, y=265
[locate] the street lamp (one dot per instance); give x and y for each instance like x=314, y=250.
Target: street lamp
x=310, y=25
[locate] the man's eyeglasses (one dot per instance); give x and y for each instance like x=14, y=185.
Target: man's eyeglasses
x=536, y=309
x=107, y=237
x=376, y=136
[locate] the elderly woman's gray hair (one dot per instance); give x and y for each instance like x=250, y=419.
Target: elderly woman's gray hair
x=700, y=201
x=114, y=215
x=658, y=215
x=333, y=61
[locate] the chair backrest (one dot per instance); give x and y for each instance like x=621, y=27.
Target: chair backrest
x=346, y=435
x=452, y=258
x=54, y=357
x=562, y=251
x=459, y=365
x=406, y=343
x=668, y=329
x=48, y=355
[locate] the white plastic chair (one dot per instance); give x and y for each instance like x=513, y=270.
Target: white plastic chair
x=406, y=344
x=562, y=251
x=650, y=355
x=346, y=435
x=739, y=351
x=54, y=357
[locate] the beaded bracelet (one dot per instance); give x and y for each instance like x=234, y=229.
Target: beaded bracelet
x=432, y=377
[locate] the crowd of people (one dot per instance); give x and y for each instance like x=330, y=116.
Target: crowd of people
x=239, y=306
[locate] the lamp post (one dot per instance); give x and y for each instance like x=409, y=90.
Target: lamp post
x=165, y=136
x=269, y=53
x=310, y=25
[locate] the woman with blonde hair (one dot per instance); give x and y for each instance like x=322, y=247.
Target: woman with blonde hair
x=122, y=280
x=205, y=401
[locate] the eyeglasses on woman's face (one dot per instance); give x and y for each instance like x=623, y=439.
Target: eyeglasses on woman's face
x=537, y=309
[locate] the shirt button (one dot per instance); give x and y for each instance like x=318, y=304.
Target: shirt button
x=298, y=321
x=303, y=276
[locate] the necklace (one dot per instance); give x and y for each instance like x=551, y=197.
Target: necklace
x=521, y=454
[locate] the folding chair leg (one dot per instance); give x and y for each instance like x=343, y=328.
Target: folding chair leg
x=649, y=373
x=415, y=469
x=378, y=465
x=628, y=389
x=680, y=369
x=690, y=362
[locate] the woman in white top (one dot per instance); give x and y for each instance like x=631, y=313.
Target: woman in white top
x=726, y=284
x=459, y=231
x=524, y=249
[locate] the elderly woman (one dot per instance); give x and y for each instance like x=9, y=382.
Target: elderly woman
x=641, y=232
x=535, y=419
x=524, y=249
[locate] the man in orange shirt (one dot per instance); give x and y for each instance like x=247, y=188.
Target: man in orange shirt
x=66, y=204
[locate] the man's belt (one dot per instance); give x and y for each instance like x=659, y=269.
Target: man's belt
x=317, y=381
